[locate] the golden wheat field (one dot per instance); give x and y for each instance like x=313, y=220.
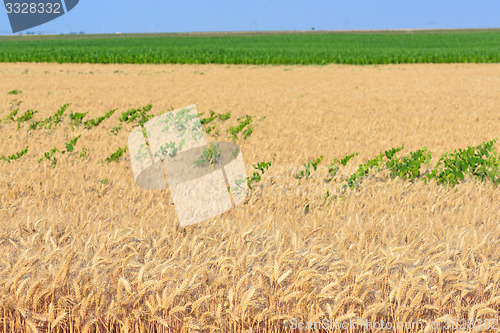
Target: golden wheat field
x=83, y=249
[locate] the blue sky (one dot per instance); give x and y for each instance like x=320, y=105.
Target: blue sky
x=149, y=16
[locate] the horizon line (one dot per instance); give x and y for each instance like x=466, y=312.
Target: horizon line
x=248, y=32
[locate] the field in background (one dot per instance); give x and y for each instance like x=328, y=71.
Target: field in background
x=386, y=47
x=84, y=249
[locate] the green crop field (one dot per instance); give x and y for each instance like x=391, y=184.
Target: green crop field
x=455, y=46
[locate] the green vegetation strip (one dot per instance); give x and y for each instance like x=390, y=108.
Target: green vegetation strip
x=469, y=46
